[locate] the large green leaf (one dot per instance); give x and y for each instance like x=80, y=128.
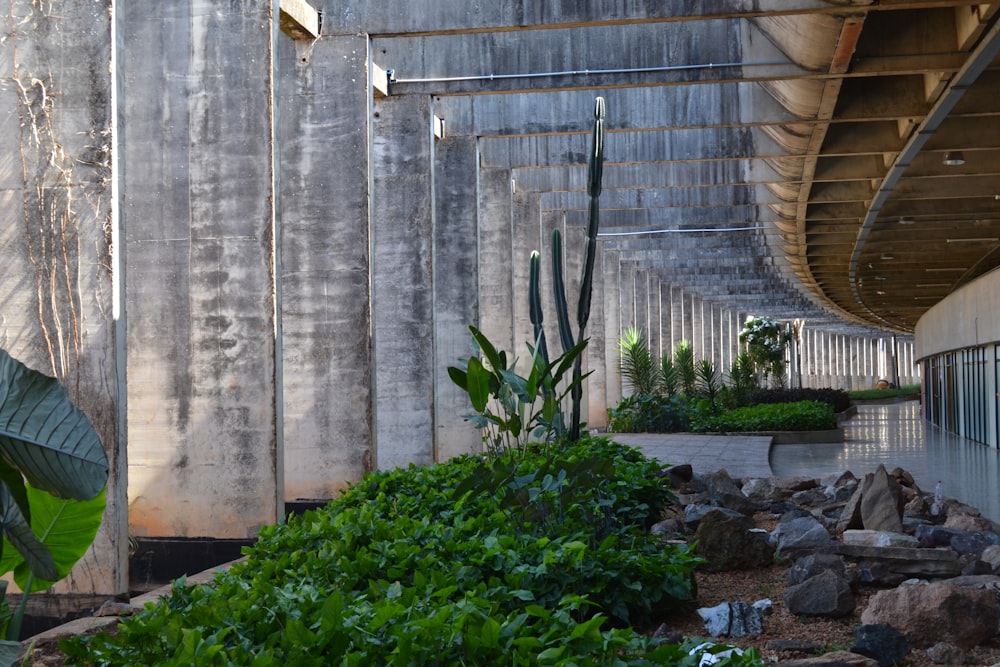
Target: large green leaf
x=45, y=436
x=64, y=526
x=10, y=651
x=18, y=534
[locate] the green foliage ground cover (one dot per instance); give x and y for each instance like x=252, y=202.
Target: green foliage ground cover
x=798, y=416
x=539, y=557
x=906, y=391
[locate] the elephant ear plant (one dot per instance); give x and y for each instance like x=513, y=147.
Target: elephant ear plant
x=53, y=470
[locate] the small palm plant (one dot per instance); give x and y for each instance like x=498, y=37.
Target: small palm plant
x=684, y=363
x=638, y=365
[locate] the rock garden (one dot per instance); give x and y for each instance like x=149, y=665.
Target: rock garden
x=839, y=570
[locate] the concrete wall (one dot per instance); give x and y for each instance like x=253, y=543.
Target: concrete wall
x=58, y=291
x=200, y=295
x=298, y=258
x=969, y=317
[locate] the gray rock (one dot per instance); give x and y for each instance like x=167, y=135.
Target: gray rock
x=991, y=555
x=881, y=642
x=761, y=490
x=723, y=491
x=731, y=619
x=799, y=535
x=667, y=527
x=812, y=564
x=834, y=659
x=930, y=613
x=944, y=653
x=792, y=645
x=727, y=544
x=827, y=594
x=810, y=497
x=879, y=538
x=694, y=513
x=891, y=565
x=881, y=502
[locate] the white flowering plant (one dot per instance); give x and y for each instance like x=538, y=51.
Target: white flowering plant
x=766, y=341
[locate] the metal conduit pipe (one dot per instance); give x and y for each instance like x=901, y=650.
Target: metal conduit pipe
x=980, y=58
x=579, y=72
x=681, y=231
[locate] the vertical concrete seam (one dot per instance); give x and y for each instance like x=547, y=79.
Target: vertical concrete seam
x=278, y=415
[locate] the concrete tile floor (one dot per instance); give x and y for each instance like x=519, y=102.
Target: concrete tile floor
x=897, y=435
x=893, y=435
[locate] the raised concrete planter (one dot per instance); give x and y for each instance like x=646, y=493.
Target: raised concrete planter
x=802, y=437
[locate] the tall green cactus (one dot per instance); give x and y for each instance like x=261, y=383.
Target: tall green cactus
x=566, y=337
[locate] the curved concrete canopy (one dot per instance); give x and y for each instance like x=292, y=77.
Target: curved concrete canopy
x=807, y=137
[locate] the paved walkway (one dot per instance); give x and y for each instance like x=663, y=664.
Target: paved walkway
x=893, y=435
x=740, y=455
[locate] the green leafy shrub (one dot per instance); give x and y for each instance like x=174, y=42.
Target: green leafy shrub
x=542, y=559
x=648, y=414
x=799, y=416
x=906, y=391
x=838, y=399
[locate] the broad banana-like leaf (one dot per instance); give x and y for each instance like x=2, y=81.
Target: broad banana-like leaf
x=45, y=436
x=10, y=651
x=17, y=533
x=65, y=527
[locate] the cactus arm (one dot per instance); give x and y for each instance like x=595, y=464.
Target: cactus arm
x=595, y=176
x=559, y=290
x=535, y=305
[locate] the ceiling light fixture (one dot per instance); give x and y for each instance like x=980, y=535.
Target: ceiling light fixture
x=906, y=221
x=887, y=256
x=953, y=158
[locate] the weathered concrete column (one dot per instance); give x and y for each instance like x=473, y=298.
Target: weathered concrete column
x=598, y=350
x=626, y=294
x=495, y=267
x=609, y=263
x=697, y=317
x=678, y=323
x=62, y=275
x=642, y=302
x=717, y=337
x=203, y=440
x=456, y=288
x=326, y=315
x=402, y=280
x=653, y=317
x=666, y=320
x=526, y=237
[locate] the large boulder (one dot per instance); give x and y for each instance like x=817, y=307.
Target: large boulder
x=877, y=504
x=727, y=544
x=882, y=502
x=827, y=594
x=938, y=612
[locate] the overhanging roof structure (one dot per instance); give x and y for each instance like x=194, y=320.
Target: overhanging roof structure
x=832, y=161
